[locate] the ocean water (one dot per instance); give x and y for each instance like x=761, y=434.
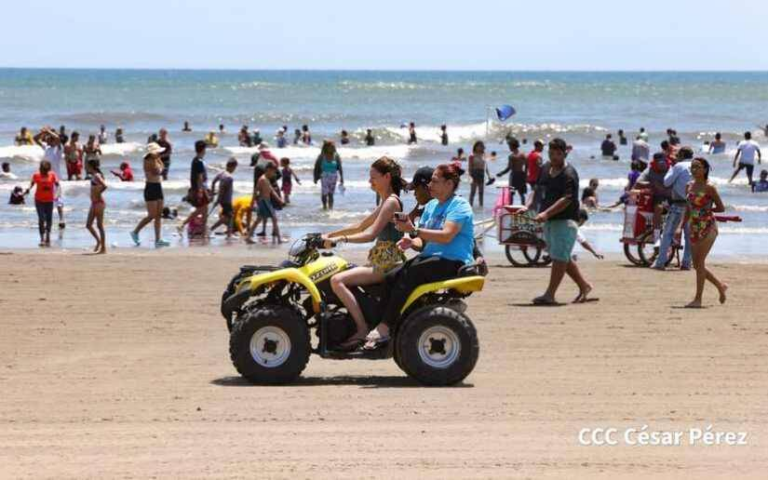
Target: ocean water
x=580, y=107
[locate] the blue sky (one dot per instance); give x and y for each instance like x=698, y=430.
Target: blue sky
x=388, y=34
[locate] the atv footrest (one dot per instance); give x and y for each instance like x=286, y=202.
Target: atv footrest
x=380, y=354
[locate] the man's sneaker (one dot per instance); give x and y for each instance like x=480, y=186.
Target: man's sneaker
x=135, y=238
x=162, y=243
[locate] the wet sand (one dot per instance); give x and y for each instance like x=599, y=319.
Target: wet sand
x=118, y=366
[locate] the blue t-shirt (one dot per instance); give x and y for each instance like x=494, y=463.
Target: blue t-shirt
x=456, y=210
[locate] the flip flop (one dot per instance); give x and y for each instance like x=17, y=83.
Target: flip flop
x=544, y=301
x=375, y=341
x=351, y=345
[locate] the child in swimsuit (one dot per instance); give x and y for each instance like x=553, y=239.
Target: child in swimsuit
x=263, y=196
x=98, y=185
x=288, y=175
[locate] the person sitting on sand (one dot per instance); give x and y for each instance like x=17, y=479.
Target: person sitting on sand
x=96, y=212
x=23, y=138
x=386, y=180
x=263, y=197
x=125, y=174
x=762, y=184
x=589, y=195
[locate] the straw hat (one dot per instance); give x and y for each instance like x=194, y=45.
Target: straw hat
x=154, y=148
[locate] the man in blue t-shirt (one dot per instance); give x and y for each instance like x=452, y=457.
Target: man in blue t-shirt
x=445, y=239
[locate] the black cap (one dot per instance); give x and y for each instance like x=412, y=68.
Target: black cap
x=422, y=177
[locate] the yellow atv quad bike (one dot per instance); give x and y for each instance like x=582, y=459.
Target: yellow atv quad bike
x=278, y=316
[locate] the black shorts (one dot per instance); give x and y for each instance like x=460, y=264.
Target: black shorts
x=518, y=183
x=478, y=176
x=659, y=199
x=750, y=169
x=153, y=192
x=226, y=209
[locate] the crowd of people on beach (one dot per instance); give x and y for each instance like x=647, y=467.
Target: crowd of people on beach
x=674, y=176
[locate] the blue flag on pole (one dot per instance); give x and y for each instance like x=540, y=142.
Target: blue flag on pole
x=504, y=112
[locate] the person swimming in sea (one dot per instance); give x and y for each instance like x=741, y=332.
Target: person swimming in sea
x=718, y=146
x=370, y=140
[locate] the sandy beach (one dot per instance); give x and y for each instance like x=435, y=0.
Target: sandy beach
x=117, y=367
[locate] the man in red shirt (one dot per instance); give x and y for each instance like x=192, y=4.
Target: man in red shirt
x=534, y=163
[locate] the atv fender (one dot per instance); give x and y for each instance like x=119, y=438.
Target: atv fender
x=462, y=285
x=291, y=275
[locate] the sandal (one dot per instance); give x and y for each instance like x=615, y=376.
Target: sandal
x=351, y=344
x=544, y=301
x=375, y=341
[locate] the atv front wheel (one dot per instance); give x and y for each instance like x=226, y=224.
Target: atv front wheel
x=270, y=345
x=437, y=346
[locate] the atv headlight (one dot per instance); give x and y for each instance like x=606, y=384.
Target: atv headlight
x=297, y=248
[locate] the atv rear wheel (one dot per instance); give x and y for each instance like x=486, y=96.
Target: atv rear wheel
x=270, y=345
x=437, y=346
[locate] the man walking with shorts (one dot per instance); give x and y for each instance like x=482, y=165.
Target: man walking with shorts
x=747, y=150
x=559, y=213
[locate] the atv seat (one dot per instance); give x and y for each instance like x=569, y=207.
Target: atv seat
x=464, y=285
x=474, y=269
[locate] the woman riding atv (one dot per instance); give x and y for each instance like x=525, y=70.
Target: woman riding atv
x=386, y=180
x=446, y=242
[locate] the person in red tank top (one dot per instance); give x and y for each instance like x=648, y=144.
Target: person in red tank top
x=45, y=183
x=534, y=163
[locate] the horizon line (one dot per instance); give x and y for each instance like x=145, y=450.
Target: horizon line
x=358, y=70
